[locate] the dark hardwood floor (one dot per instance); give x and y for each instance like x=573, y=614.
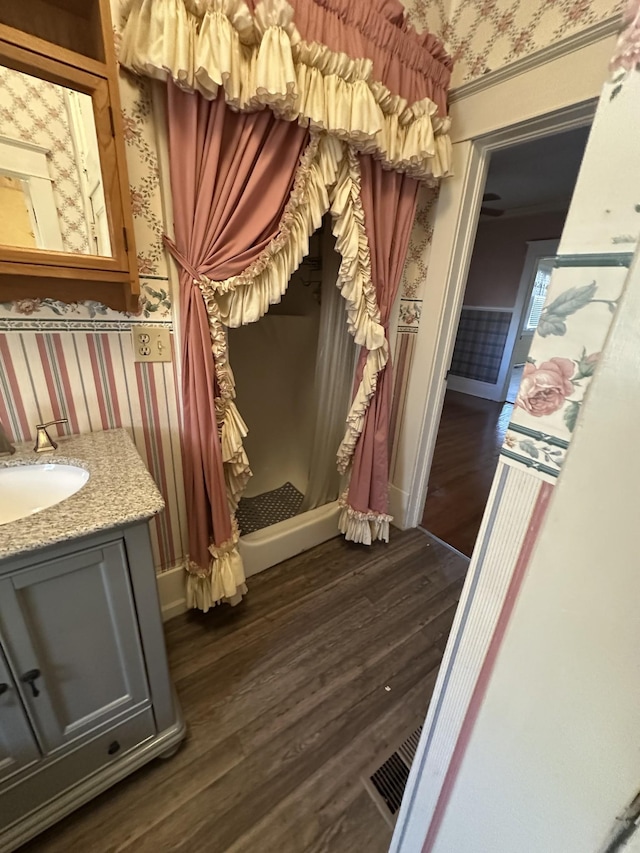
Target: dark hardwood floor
x=466, y=455
x=290, y=697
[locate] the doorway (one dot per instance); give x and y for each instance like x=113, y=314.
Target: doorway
x=524, y=205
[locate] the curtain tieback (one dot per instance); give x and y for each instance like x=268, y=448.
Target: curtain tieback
x=180, y=259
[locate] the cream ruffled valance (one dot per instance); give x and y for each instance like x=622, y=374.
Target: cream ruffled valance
x=261, y=61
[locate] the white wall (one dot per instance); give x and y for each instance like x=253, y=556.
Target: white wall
x=555, y=752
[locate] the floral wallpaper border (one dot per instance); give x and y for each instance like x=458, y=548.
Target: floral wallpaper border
x=155, y=306
x=534, y=449
x=409, y=315
x=563, y=358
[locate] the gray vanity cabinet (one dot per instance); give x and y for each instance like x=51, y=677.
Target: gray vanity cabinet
x=71, y=625
x=85, y=695
x=18, y=748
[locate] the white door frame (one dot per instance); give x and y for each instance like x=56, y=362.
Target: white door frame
x=454, y=233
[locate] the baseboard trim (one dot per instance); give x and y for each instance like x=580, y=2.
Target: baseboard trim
x=399, y=507
x=474, y=387
x=172, y=592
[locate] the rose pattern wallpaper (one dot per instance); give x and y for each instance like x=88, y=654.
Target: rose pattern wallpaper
x=563, y=358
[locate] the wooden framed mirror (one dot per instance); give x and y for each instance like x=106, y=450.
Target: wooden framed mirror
x=65, y=216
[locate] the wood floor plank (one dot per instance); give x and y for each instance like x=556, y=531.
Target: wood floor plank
x=339, y=784
x=358, y=827
x=466, y=454
x=290, y=697
x=252, y=788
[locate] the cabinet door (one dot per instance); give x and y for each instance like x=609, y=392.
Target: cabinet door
x=18, y=747
x=72, y=642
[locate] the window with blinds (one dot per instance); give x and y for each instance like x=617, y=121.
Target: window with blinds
x=538, y=293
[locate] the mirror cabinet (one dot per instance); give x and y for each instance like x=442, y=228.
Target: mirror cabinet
x=66, y=229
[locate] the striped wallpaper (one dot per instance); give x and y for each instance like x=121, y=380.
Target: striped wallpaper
x=91, y=379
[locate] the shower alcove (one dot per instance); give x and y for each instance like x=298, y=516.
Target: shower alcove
x=293, y=371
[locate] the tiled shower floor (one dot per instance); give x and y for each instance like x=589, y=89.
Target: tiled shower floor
x=268, y=508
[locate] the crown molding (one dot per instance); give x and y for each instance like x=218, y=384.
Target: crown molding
x=586, y=37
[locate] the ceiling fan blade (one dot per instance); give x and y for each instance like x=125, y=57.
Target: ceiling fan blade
x=490, y=211
x=491, y=197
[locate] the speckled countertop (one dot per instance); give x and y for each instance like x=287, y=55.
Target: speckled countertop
x=119, y=491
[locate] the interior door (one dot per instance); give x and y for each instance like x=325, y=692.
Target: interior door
x=72, y=641
x=18, y=748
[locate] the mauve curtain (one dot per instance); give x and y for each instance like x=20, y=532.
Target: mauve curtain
x=231, y=176
x=389, y=203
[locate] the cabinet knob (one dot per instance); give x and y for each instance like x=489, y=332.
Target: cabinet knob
x=30, y=679
x=114, y=746
x=3, y=688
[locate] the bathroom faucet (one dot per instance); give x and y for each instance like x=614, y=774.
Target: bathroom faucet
x=44, y=442
x=5, y=444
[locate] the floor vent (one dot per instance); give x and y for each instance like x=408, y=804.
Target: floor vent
x=388, y=782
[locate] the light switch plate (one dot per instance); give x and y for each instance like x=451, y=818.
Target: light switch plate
x=151, y=343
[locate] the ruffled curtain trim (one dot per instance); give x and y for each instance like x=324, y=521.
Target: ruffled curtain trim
x=363, y=527
x=328, y=177
x=260, y=61
x=231, y=427
x=357, y=288
x=224, y=583
x=246, y=297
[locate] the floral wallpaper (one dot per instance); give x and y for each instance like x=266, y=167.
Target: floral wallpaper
x=415, y=268
x=33, y=110
x=144, y=178
x=484, y=35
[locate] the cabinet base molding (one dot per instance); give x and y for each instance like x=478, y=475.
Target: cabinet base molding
x=162, y=745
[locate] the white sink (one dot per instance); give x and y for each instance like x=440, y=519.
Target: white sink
x=27, y=489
